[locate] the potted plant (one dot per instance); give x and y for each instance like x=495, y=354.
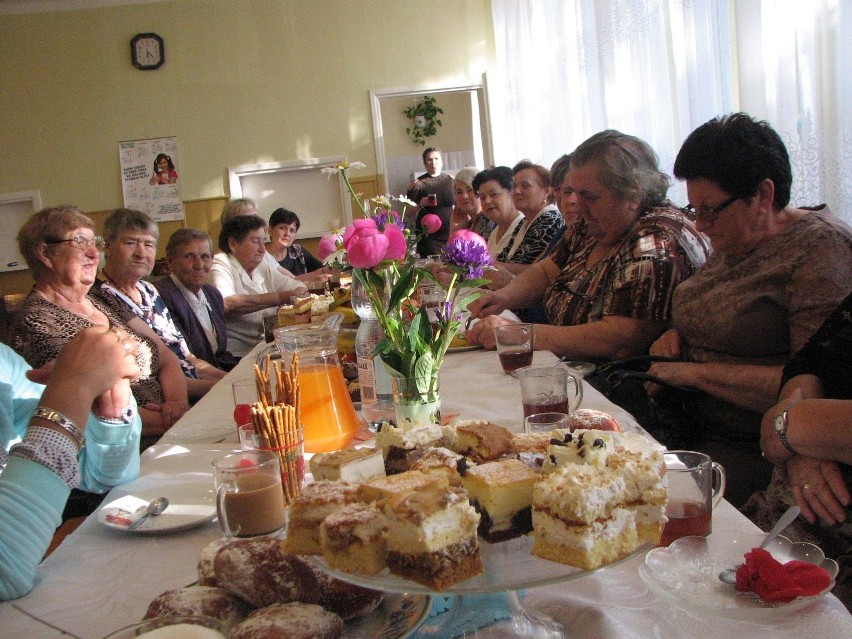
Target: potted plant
x=424, y=121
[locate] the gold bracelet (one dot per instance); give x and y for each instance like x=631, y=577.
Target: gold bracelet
x=58, y=419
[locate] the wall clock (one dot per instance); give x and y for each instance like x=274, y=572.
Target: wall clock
x=147, y=51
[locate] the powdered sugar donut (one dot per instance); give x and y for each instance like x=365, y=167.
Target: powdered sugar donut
x=258, y=571
x=591, y=419
x=290, y=621
x=204, y=601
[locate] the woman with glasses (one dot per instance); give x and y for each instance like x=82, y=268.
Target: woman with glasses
x=62, y=251
x=776, y=273
x=607, y=286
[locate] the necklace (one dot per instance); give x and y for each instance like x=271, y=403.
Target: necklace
x=60, y=299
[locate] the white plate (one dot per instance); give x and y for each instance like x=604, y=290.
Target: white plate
x=191, y=503
x=687, y=574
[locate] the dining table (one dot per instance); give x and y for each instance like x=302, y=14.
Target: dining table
x=101, y=579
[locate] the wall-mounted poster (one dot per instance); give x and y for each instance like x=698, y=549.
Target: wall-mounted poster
x=150, y=179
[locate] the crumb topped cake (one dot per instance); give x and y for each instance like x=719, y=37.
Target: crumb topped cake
x=316, y=501
x=502, y=492
x=352, y=539
x=482, y=441
x=431, y=537
x=441, y=462
x=354, y=465
x=395, y=487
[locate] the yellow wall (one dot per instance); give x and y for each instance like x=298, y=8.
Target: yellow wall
x=244, y=82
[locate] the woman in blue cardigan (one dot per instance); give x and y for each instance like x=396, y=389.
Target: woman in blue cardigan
x=50, y=442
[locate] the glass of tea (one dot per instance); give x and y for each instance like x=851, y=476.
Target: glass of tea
x=515, y=345
x=552, y=389
x=696, y=484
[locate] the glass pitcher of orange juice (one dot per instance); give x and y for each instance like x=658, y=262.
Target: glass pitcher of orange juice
x=327, y=413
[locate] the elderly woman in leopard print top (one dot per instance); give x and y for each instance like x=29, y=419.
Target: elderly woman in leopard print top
x=62, y=252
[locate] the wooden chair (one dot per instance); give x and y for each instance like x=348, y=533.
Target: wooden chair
x=9, y=306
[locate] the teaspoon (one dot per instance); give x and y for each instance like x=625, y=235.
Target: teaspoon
x=729, y=575
x=154, y=508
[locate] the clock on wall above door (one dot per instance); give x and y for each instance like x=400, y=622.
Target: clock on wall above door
x=147, y=51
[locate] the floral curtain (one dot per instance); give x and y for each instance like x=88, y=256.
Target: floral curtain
x=659, y=68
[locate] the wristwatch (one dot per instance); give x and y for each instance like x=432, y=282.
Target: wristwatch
x=781, y=429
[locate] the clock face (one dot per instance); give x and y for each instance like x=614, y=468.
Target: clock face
x=147, y=51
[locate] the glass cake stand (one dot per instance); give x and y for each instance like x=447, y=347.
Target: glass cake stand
x=508, y=567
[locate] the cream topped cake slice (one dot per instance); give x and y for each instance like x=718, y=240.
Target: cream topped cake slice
x=397, y=443
x=580, y=519
x=441, y=462
x=502, y=493
x=578, y=447
x=431, y=537
x=354, y=465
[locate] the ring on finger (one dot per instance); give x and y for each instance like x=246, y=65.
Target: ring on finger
x=806, y=487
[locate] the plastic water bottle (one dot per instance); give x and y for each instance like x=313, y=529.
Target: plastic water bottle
x=376, y=393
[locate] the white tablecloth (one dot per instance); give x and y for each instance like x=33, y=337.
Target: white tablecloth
x=101, y=579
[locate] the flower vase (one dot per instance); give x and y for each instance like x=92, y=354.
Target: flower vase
x=416, y=401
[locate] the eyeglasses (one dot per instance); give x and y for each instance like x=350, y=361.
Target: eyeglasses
x=82, y=242
x=707, y=214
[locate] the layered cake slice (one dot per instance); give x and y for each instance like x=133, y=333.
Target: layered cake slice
x=441, y=462
x=481, y=440
x=645, y=493
x=398, y=443
x=316, y=502
x=354, y=465
x=352, y=539
x=431, y=537
x=580, y=519
x=502, y=493
x=394, y=487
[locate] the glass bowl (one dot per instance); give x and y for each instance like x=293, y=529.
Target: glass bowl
x=686, y=574
x=183, y=626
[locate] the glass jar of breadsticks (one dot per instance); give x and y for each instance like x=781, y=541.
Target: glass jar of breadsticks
x=276, y=420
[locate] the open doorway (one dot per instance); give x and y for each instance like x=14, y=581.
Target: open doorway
x=464, y=136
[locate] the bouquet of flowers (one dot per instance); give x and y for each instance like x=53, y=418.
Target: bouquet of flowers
x=379, y=249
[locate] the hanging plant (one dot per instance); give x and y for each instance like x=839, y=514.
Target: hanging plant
x=424, y=122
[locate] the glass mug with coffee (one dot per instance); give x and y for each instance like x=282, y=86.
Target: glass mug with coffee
x=696, y=484
x=552, y=389
x=249, y=493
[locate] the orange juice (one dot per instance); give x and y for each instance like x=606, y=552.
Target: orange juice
x=327, y=414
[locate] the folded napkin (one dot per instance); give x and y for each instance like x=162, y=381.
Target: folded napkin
x=473, y=612
x=779, y=583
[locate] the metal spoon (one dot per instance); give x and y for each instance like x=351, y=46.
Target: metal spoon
x=154, y=508
x=729, y=575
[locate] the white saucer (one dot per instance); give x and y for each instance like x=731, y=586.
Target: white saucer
x=191, y=503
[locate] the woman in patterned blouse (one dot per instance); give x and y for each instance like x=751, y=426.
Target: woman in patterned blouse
x=607, y=288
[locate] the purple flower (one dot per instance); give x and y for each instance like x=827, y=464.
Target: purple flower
x=468, y=255
x=387, y=217
x=444, y=312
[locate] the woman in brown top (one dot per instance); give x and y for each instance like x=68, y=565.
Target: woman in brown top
x=607, y=287
x=62, y=252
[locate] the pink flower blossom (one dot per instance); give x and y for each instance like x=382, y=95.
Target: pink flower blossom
x=431, y=222
x=470, y=236
x=327, y=245
x=360, y=223
x=365, y=246
x=397, y=245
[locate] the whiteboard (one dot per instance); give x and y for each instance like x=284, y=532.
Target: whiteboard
x=321, y=201
x=15, y=209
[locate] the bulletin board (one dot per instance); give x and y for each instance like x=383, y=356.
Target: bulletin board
x=321, y=201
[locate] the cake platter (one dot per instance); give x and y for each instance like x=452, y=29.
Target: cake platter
x=508, y=567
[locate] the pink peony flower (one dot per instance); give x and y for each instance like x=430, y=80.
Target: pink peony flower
x=365, y=246
x=470, y=236
x=397, y=245
x=431, y=222
x=327, y=245
x=360, y=223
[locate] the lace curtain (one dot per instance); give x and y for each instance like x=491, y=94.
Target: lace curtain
x=794, y=73
x=657, y=69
